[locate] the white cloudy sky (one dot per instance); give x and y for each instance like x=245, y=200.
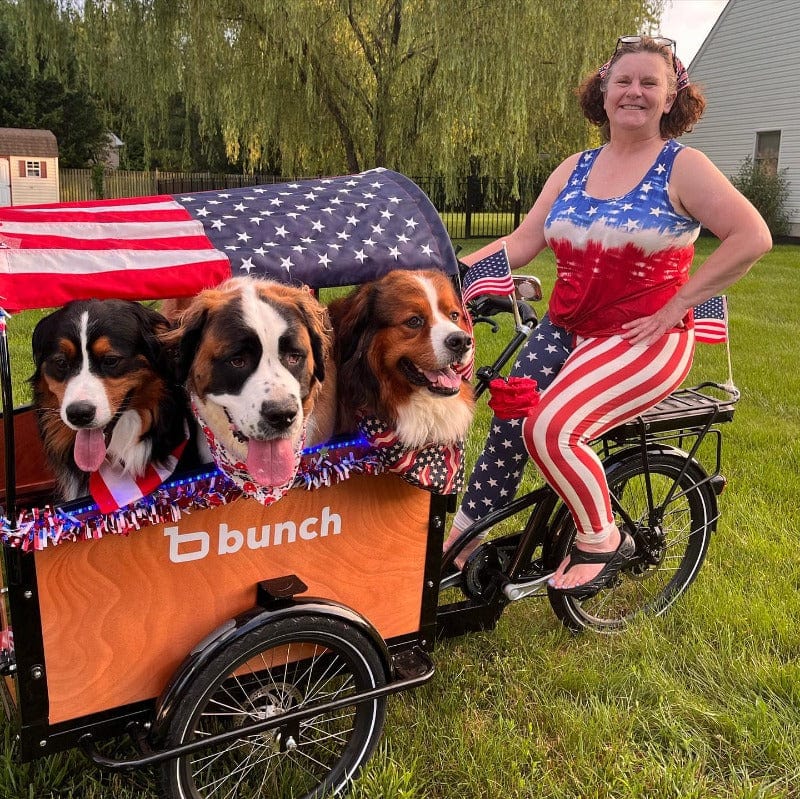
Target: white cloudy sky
x=688, y=22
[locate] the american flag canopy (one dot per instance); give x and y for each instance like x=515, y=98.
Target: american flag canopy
x=324, y=232
x=711, y=321
x=490, y=275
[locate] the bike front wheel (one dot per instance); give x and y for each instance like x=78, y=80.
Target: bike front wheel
x=283, y=666
x=671, y=537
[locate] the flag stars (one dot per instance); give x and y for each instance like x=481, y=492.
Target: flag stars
x=377, y=229
x=318, y=226
x=217, y=224
x=240, y=207
x=276, y=202
x=360, y=256
x=426, y=250
x=203, y=211
x=281, y=231
x=247, y=264
x=394, y=252
x=245, y=237
x=324, y=260
x=412, y=223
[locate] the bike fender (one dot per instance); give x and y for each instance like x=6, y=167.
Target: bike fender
x=611, y=463
x=236, y=628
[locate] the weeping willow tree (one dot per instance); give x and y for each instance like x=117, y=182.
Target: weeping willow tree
x=421, y=86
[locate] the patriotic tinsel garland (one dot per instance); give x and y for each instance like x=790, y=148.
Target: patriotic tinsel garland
x=38, y=528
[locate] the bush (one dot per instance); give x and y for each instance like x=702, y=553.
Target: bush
x=768, y=190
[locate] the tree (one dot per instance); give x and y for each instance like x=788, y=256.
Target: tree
x=31, y=100
x=332, y=85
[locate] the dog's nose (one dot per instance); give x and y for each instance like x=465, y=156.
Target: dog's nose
x=80, y=413
x=277, y=417
x=458, y=343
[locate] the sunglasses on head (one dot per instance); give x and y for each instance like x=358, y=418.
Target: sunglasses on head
x=661, y=41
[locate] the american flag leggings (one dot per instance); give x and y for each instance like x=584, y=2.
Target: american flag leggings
x=587, y=388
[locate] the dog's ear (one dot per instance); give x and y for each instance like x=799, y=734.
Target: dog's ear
x=320, y=331
x=42, y=334
x=183, y=340
x=152, y=325
x=354, y=329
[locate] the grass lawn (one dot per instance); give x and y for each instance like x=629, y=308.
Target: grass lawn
x=704, y=702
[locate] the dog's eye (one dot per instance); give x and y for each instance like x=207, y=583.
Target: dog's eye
x=58, y=365
x=292, y=358
x=111, y=361
x=455, y=316
x=237, y=361
x=415, y=322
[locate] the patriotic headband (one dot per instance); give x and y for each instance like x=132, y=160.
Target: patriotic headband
x=680, y=71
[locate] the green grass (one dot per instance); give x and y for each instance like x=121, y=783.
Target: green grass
x=704, y=702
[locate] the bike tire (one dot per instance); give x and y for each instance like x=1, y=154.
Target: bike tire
x=646, y=587
x=281, y=666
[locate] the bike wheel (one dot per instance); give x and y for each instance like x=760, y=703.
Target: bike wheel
x=283, y=666
x=670, y=548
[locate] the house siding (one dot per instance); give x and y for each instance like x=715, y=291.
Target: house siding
x=749, y=74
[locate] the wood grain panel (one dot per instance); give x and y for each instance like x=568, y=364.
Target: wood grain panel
x=118, y=615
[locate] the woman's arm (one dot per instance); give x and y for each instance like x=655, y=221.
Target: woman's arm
x=698, y=189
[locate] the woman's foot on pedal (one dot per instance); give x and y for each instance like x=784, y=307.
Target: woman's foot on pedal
x=466, y=550
x=590, y=567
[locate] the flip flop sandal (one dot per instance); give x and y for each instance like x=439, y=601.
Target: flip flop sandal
x=614, y=561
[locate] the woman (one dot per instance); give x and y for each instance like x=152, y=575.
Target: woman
x=618, y=336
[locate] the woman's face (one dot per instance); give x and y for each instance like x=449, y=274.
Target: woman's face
x=637, y=92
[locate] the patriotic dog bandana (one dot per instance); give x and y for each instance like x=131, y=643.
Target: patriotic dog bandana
x=237, y=472
x=434, y=467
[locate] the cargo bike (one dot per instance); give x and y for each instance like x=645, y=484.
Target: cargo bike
x=249, y=649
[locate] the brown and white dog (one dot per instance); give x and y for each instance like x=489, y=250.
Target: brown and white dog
x=402, y=344
x=104, y=391
x=256, y=358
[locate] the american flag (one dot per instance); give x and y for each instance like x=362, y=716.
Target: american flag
x=490, y=275
x=325, y=232
x=711, y=321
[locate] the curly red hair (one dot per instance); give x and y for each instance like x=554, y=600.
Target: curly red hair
x=682, y=117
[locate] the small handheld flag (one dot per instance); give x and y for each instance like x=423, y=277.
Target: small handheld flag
x=490, y=275
x=711, y=321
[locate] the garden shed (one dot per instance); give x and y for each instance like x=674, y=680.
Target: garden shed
x=28, y=166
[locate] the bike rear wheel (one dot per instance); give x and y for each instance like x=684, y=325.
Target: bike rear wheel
x=671, y=543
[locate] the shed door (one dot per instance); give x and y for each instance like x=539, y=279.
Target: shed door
x=5, y=183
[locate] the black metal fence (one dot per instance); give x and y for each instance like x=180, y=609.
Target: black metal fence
x=473, y=207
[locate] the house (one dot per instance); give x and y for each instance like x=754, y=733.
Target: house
x=749, y=73
x=28, y=167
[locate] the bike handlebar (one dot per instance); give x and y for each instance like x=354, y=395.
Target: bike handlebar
x=484, y=307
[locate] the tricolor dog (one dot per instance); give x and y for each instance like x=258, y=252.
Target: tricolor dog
x=105, y=391
x=403, y=343
x=256, y=359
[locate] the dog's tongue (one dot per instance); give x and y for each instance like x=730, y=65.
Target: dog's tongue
x=446, y=378
x=271, y=463
x=90, y=449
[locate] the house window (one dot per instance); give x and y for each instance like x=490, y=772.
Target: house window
x=768, y=146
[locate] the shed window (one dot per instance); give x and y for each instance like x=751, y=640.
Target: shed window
x=768, y=147
x=33, y=169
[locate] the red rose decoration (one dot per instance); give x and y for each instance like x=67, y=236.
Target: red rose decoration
x=513, y=397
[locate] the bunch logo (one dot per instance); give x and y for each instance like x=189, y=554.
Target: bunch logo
x=192, y=545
